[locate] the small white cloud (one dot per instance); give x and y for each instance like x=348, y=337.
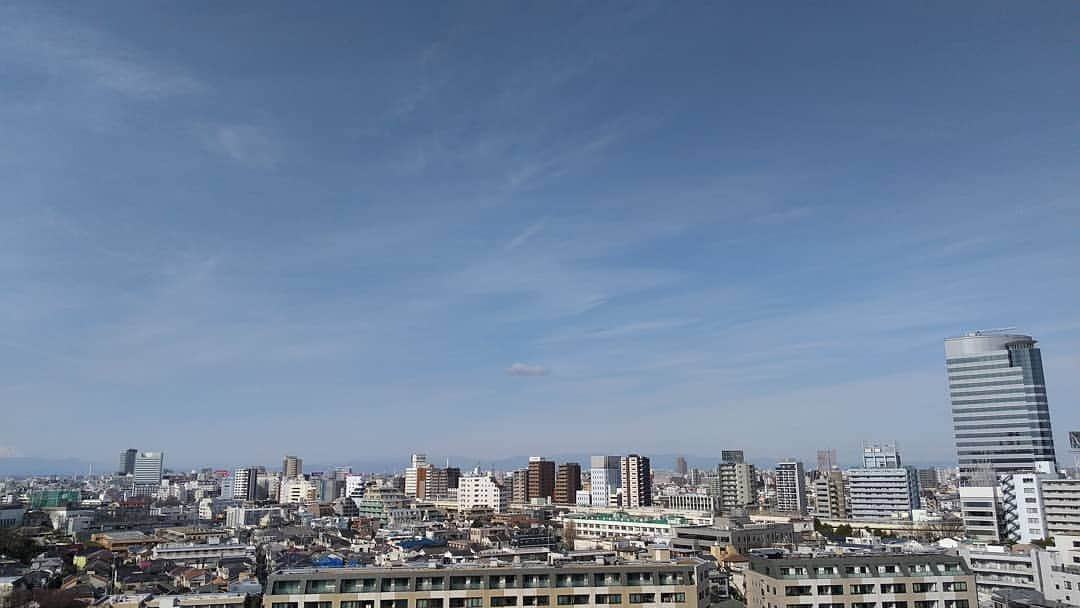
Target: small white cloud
x=248, y=145
x=527, y=369
x=8, y=452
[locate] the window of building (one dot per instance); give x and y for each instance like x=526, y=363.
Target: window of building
x=288, y=587
x=429, y=602
x=925, y=603
x=430, y=583
x=792, y=590
x=284, y=605
x=863, y=604
x=956, y=604
x=923, y=587
x=572, y=600
x=673, y=598
x=458, y=583
x=677, y=578
x=861, y=589
x=318, y=604
x=504, y=581
x=608, y=598
x=893, y=604
x=358, y=604
x=572, y=580
x=830, y=590
x=394, y=603
x=536, y=600
x=322, y=586
x=607, y=579
x=954, y=586
x=357, y=585
x=642, y=598
x=893, y=588
x=535, y=581
x=504, y=601
x=395, y=584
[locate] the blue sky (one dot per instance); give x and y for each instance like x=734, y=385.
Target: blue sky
x=235, y=230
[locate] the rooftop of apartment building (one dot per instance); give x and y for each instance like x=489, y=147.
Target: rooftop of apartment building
x=489, y=564
x=891, y=564
x=626, y=517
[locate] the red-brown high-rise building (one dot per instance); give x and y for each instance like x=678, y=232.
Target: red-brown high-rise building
x=567, y=483
x=541, y=478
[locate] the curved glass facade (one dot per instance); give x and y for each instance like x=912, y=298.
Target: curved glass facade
x=1001, y=418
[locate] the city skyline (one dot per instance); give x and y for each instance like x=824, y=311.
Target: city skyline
x=626, y=230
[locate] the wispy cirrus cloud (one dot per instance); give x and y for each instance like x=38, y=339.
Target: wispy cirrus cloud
x=522, y=237
x=527, y=369
x=250, y=145
x=79, y=54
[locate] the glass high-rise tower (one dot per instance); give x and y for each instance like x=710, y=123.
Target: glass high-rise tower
x=1001, y=419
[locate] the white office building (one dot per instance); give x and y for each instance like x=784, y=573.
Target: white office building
x=605, y=479
x=481, y=492
x=148, y=469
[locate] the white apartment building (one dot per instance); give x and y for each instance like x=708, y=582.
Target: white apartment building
x=481, y=491
x=297, y=490
x=882, y=493
x=790, y=487
x=239, y=517
x=1061, y=504
x=202, y=552
x=981, y=509
x=1023, y=517
x=354, y=486
x=1036, y=506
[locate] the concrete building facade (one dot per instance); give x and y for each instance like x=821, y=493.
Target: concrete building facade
x=861, y=581
x=604, y=479
x=682, y=583
x=636, y=476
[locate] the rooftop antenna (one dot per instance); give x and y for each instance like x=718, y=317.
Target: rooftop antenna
x=992, y=330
